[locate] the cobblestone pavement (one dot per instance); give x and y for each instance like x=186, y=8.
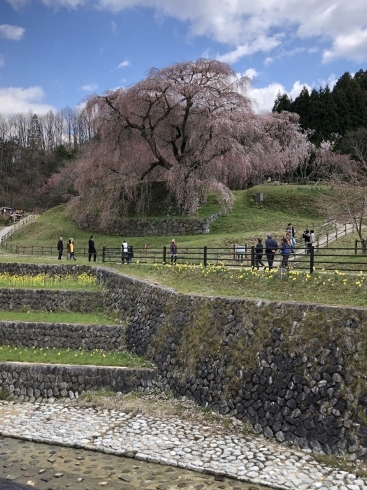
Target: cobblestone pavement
x=173, y=442
x=52, y=467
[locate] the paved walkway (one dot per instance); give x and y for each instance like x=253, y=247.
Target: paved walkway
x=9, y=230
x=173, y=442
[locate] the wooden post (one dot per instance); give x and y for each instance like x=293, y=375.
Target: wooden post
x=312, y=259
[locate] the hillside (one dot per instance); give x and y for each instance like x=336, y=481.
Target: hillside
x=303, y=206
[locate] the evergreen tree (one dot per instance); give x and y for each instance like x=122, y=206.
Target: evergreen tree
x=282, y=103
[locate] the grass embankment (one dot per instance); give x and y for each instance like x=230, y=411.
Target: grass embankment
x=321, y=287
x=69, y=356
x=244, y=223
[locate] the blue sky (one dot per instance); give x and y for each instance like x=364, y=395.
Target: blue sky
x=54, y=53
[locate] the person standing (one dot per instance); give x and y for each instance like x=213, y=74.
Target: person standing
x=92, y=249
x=72, y=249
x=271, y=247
x=259, y=249
x=312, y=240
x=173, y=251
x=307, y=238
x=285, y=251
x=124, y=252
x=60, y=247
x=68, y=249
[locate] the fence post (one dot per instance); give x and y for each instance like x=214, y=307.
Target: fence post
x=103, y=254
x=345, y=229
x=252, y=256
x=312, y=258
x=355, y=247
x=327, y=239
x=164, y=254
x=205, y=255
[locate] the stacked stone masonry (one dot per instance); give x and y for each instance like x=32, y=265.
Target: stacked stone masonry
x=62, y=335
x=29, y=382
x=152, y=226
x=294, y=371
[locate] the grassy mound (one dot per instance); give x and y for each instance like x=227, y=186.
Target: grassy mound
x=244, y=223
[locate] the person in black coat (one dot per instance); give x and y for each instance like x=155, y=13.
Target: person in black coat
x=60, y=247
x=259, y=249
x=92, y=249
x=271, y=247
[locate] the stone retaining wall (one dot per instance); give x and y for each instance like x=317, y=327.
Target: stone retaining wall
x=296, y=372
x=40, y=382
x=52, y=300
x=62, y=335
x=151, y=226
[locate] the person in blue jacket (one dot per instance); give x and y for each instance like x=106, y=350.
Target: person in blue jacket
x=285, y=251
x=271, y=247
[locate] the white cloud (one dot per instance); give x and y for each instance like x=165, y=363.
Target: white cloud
x=249, y=27
x=124, y=64
x=351, y=46
x=18, y=99
x=89, y=87
x=331, y=81
x=297, y=89
x=14, y=33
x=17, y=4
x=268, y=61
x=264, y=97
x=251, y=73
x=240, y=24
x=259, y=44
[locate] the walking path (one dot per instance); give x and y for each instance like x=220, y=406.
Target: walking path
x=7, y=231
x=174, y=442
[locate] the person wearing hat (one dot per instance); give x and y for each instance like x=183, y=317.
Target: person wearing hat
x=271, y=247
x=173, y=251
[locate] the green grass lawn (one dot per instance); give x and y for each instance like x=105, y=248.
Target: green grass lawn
x=319, y=287
x=243, y=224
x=303, y=206
x=68, y=356
x=58, y=317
